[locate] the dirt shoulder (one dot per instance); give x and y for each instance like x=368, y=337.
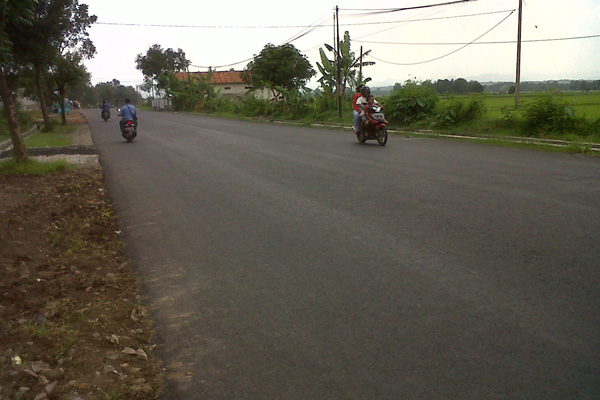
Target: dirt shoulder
x=72, y=323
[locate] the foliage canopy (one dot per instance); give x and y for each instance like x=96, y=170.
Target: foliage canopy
x=279, y=69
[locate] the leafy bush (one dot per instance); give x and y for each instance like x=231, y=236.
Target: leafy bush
x=192, y=94
x=253, y=107
x=412, y=102
x=593, y=129
x=458, y=111
x=324, y=104
x=549, y=114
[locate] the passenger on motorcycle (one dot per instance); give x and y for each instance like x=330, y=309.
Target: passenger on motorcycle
x=372, y=107
x=105, y=107
x=129, y=113
x=362, y=104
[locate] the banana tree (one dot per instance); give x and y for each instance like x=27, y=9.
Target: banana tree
x=349, y=64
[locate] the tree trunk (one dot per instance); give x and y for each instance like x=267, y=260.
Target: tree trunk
x=61, y=102
x=42, y=98
x=19, y=149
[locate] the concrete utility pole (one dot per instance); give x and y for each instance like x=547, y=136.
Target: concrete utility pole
x=518, y=80
x=339, y=63
x=360, y=67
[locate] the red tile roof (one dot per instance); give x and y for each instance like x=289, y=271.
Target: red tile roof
x=223, y=77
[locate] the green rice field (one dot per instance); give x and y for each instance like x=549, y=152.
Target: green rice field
x=585, y=104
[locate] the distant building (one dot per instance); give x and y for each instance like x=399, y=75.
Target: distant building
x=227, y=83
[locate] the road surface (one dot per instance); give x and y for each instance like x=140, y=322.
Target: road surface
x=285, y=262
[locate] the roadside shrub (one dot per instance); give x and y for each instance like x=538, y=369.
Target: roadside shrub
x=549, y=114
x=227, y=104
x=54, y=123
x=593, y=129
x=254, y=107
x=296, y=103
x=412, y=102
x=458, y=112
x=324, y=105
x=24, y=118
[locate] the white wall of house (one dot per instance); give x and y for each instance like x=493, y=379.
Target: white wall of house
x=239, y=89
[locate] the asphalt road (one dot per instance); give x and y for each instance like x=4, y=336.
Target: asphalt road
x=288, y=262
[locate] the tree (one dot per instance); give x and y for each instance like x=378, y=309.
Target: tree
x=191, y=94
x=158, y=62
x=67, y=71
x=59, y=27
x=114, y=93
x=350, y=67
x=12, y=12
x=279, y=69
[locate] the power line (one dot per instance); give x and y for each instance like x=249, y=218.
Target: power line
x=393, y=10
x=206, y=26
x=452, y=52
x=429, y=19
x=312, y=26
x=486, y=43
x=308, y=29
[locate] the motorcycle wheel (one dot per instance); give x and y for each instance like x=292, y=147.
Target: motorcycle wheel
x=361, y=138
x=382, y=136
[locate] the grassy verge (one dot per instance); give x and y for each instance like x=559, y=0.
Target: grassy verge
x=59, y=136
x=33, y=167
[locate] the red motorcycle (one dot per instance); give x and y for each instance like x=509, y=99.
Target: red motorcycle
x=376, y=129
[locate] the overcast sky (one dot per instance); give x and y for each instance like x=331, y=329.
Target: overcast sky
x=424, y=43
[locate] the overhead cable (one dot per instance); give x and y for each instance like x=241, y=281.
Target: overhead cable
x=497, y=42
x=452, y=52
x=308, y=29
x=313, y=26
x=393, y=10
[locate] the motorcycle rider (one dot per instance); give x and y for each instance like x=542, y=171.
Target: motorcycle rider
x=105, y=107
x=128, y=112
x=355, y=109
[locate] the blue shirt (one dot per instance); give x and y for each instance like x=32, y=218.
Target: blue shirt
x=128, y=111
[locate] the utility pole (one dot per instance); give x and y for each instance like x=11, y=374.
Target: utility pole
x=360, y=67
x=518, y=80
x=339, y=64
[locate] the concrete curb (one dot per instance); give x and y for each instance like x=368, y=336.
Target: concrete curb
x=8, y=143
x=514, y=139
x=84, y=147
x=50, y=151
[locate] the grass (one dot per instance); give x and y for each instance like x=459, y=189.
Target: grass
x=585, y=104
x=33, y=167
x=60, y=136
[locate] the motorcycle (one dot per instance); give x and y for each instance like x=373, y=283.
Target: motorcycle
x=374, y=130
x=105, y=115
x=129, y=130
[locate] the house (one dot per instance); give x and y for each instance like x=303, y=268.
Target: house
x=227, y=83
